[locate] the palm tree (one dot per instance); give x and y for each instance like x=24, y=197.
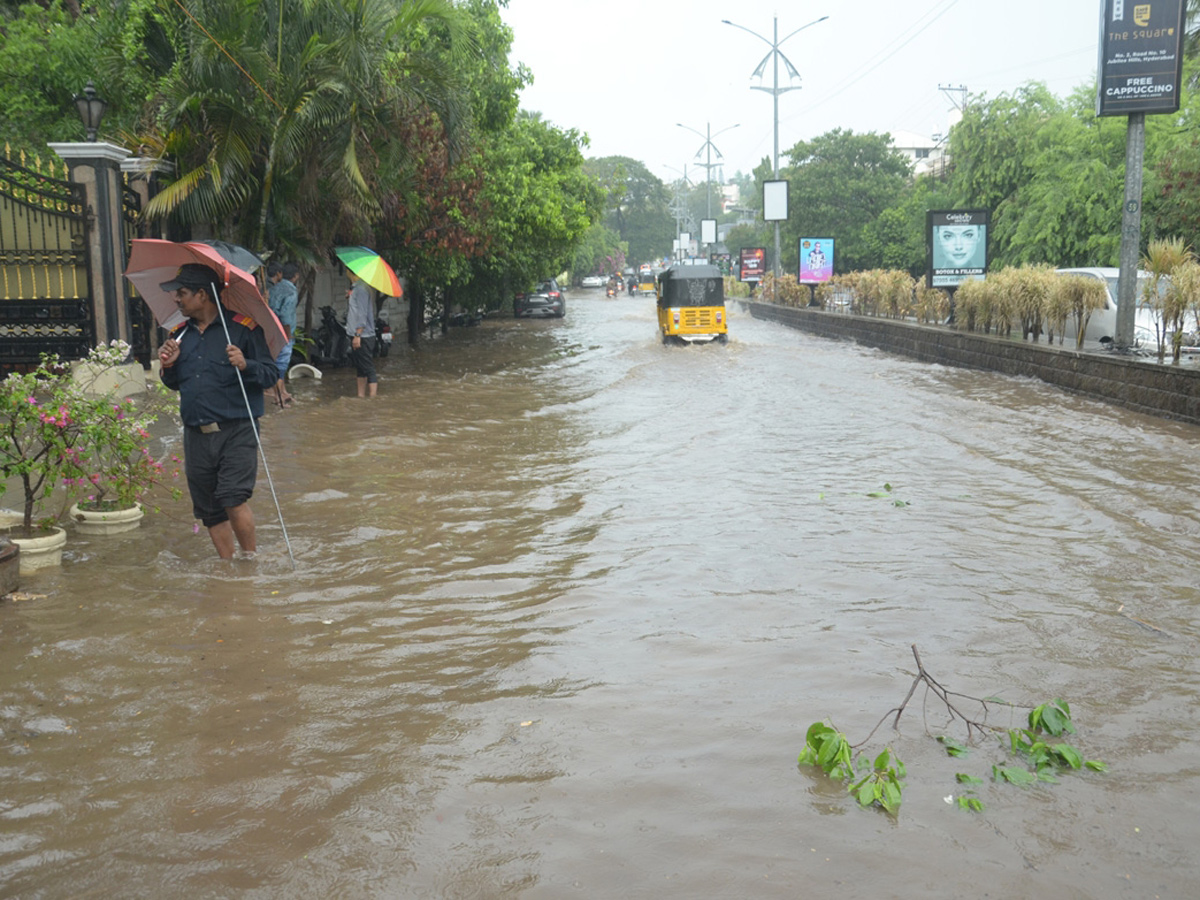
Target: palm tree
x=276, y=112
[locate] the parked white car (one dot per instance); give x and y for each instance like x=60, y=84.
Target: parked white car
x=1102, y=326
x=594, y=281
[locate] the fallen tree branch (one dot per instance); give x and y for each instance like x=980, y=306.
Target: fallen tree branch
x=975, y=726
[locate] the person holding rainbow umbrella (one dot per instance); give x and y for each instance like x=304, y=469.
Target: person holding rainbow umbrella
x=366, y=268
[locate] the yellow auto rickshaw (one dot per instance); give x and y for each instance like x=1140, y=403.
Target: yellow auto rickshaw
x=691, y=305
x=645, y=280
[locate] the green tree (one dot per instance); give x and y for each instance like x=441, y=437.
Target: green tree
x=282, y=105
x=540, y=202
x=840, y=183
x=636, y=206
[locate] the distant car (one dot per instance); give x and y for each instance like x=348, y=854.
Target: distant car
x=1102, y=326
x=594, y=280
x=544, y=300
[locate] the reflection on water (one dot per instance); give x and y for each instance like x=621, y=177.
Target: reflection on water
x=566, y=601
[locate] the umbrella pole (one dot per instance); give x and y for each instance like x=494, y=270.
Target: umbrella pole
x=257, y=438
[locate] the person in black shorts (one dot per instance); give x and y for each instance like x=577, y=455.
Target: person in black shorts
x=220, y=446
x=360, y=325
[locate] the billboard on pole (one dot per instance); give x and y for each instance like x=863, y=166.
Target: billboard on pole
x=816, y=260
x=775, y=201
x=1141, y=57
x=956, y=248
x=752, y=263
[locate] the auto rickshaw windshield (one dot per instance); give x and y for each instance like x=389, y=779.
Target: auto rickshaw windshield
x=691, y=286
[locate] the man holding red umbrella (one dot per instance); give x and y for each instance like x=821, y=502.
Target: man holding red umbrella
x=202, y=359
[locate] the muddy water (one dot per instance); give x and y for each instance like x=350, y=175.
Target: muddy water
x=565, y=602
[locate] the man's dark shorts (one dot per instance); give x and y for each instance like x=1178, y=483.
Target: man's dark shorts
x=364, y=360
x=221, y=469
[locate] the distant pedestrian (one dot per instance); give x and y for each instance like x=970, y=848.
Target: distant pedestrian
x=282, y=297
x=360, y=324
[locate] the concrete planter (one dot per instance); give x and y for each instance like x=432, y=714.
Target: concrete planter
x=114, y=521
x=41, y=551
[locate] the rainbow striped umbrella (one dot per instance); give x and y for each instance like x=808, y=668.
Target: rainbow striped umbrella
x=371, y=268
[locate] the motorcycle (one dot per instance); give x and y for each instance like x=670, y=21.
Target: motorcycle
x=611, y=290
x=331, y=343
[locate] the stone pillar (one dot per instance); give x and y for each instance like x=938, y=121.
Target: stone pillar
x=97, y=166
x=142, y=174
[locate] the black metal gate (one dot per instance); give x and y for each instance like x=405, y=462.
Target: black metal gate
x=45, y=281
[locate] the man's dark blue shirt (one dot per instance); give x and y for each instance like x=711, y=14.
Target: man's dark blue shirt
x=207, y=382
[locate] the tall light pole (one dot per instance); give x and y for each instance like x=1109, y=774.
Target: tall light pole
x=678, y=207
x=776, y=90
x=708, y=146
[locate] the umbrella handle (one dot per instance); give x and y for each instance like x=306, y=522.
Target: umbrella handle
x=257, y=437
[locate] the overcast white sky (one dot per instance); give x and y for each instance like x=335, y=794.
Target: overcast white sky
x=626, y=71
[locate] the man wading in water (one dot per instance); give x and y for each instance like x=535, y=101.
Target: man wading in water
x=220, y=449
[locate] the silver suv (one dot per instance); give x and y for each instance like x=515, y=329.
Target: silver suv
x=544, y=300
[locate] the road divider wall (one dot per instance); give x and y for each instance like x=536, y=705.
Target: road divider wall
x=1165, y=390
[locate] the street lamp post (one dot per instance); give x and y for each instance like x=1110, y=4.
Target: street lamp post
x=775, y=90
x=678, y=209
x=709, y=147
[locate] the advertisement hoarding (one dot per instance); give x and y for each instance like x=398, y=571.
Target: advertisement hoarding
x=708, y=231
x=1141, y=57
x=752, y=264
x=956, y=247
x=723, y=261
x=816, y=260
x=775, y=201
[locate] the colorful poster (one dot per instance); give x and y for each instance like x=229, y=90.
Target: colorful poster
x=816, y=260
x=752, y=264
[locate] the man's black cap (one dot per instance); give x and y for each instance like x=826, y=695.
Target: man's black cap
x=192, y=275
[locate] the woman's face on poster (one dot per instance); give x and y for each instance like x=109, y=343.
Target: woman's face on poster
x=959, y=242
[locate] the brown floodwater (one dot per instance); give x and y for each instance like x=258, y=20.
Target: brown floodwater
x=565, y=603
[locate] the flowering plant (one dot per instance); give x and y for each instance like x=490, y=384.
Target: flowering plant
x=54, y=432
x=110, y=460
x=39, y=424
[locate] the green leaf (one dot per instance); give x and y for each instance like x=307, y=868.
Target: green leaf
x=1069, y=754
x=891, y=796
x=881, y=761
x=829, y=749
x=1013, y=774
x=815, y=731
x=971, y=803
x=866, y=793
x=953, y=747
x=1095, y=765
x=967, y=779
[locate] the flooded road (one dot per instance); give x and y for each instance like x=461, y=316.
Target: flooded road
x=566, y=602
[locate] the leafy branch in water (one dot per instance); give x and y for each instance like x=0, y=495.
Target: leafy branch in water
x=1032, y=757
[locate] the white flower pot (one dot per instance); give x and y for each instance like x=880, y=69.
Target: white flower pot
x=105, y=521
x=42, y=550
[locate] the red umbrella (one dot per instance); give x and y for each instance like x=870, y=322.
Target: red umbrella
x=152, y=262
